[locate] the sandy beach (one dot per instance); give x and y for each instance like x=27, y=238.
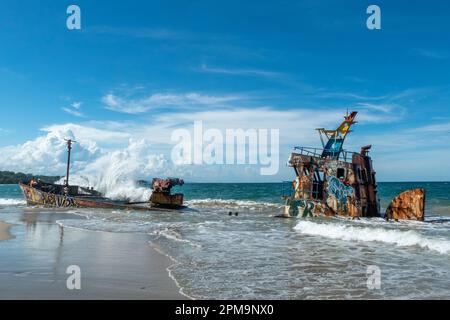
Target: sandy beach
x=35, y=253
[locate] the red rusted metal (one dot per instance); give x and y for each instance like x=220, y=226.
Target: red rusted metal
x=409, y=205
x=161, y=195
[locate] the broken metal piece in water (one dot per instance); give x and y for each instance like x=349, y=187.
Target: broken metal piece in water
x=408, y=205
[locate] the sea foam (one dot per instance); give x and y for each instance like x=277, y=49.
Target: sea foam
x=11, y=202
x=395, y=237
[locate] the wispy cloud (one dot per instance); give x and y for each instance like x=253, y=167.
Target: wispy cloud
x=76, y=105
x=409, y=94
x=161, y=100
x=145, y=33
x=327, y=94
x=74, y=109
x=432, y=54
x=73, y=112
x=242, y=72
x=385, y=108
x=434, y=128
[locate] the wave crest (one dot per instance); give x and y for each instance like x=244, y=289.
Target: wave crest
x=350, y=233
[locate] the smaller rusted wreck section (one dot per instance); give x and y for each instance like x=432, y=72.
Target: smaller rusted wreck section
x=331, y=181
x=162, y=193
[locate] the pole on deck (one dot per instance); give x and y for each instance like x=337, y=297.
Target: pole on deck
x=69, y=149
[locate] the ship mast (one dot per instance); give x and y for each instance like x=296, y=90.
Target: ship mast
x=69, y=150
x=335, y=138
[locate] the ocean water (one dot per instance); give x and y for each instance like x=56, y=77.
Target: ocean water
x=256, y=256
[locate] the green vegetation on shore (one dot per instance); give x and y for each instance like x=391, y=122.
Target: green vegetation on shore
x=8, y=177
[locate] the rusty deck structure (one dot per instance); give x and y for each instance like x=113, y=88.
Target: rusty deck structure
x=331, y=181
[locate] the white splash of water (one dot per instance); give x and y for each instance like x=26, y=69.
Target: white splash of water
x=11, y=202
x=395, y=237
x=115, y=173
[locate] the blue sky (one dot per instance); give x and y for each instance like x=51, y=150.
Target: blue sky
x=138, y=69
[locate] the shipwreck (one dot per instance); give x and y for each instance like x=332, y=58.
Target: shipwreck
x=331, y=181
x=39, y=193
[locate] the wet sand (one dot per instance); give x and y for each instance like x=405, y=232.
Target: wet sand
x=4, y=231
x=34, y=261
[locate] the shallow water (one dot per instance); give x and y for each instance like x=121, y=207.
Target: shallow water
x=254, y=255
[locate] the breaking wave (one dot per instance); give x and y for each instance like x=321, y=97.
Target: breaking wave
x=350, y=233
x=115, y=173
x=12, y=202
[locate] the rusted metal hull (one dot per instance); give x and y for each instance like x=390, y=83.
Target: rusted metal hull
x=166, y=200
x=333, y=187
x=36, y=197
x=409, y=205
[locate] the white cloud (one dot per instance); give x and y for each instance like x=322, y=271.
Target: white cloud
x=96, y=131
x=141, y=150
x=73, y=112
x=102, y=144
x=46, y=154
x=161, y=100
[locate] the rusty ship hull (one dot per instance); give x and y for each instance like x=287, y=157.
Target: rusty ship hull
x=85, y=199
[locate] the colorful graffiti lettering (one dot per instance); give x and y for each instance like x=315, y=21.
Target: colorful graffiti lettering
x=48, y=199
x=58, y=201
x=307, y=208
x=339, y=190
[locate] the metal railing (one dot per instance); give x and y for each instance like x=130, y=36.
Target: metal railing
x=344, y=155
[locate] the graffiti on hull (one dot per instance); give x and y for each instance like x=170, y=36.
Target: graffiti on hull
x=36, y=197
x=303, y=208
x=339, y=190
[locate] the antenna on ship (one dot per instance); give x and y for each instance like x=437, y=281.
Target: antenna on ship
x=69, y=150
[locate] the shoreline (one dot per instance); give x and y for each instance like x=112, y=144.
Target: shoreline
x=35, y=258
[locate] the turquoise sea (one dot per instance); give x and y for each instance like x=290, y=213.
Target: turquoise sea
x=256, y=256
